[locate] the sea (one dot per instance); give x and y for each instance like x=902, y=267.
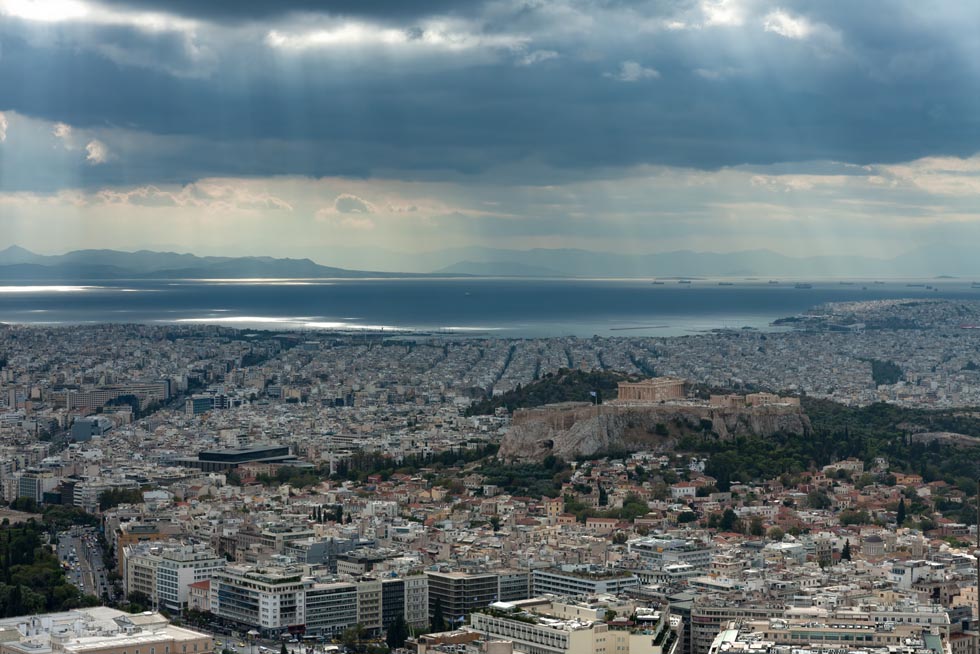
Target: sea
x=474, y=307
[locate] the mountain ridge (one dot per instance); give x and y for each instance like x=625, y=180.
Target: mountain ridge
x=19, y=263
x=477, y=261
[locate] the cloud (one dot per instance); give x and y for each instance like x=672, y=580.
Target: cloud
x=64, y=133
x=455, y=91
x=646, y=208
x=632, y=71
x=537, y=57
x=433, y=36
x=347, y=203
x=96, y=152
x=331, y=216
x=782, y=23
x=258, y=10
x=213, y=195
x=3, y=127
x=61, y=131
x=723, y=12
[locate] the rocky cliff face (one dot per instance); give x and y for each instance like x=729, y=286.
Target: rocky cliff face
x=572, y=430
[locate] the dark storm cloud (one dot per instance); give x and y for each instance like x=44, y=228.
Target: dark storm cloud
x=843, y=82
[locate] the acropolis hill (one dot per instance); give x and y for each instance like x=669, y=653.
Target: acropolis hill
x=647, y=415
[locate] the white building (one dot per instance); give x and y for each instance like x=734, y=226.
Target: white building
x=164, y=571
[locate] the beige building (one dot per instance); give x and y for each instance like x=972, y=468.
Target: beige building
x=817, y=638
x=369, y=605
x=199, y=596
x=837, y=632
x=555, y=632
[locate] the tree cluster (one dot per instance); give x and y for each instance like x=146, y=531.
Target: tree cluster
x=33, y=580
x=563, y=386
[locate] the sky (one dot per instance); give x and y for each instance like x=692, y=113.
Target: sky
x=329, y=128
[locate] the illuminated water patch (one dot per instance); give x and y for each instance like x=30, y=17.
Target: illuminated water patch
x=47, y=289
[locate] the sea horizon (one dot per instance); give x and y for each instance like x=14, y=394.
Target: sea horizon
x=462, y=306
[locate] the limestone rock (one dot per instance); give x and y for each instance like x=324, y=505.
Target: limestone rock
x=572, y=430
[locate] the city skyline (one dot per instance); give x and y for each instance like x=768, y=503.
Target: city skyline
x=313, y=129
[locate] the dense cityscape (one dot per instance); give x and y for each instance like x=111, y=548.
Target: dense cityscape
x=209, y=488
x=489, y=327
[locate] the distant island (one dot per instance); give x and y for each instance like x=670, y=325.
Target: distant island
x=17, y=263
x=678, y=267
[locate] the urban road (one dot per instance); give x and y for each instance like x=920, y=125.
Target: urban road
x=81, y=555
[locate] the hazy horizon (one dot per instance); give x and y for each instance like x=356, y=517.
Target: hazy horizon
x=340, y=131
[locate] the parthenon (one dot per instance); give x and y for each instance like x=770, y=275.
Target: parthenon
x=658, y=389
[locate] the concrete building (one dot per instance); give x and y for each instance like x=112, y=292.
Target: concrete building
x=228, y=459
x=99, y=630
x=271, y=599
x=461, y=593
x=164, y=572
x=324, y=551
x=330, y=608
x=369, y=605
x=547, y=629
x=581, y=581
x=659, y=552
x=83, y=429
x=813, y=638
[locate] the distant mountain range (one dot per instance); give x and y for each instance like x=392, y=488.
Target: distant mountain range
x=16, y=263
x=499, y=269
x=958, y=260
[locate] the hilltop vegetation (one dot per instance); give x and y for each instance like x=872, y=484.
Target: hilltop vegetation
x=885, y=372
x=563, y=386
x=839, y=432
x=32, y=578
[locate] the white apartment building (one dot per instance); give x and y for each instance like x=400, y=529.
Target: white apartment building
x=659, y=552
x=270, y=599
x=581, y=581
x=164, y=571
x=417, y=600
x=277, y=600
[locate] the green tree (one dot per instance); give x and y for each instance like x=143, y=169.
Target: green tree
x=284, y=649
x=397, y=632
x=900, y=514
x=776, y=534
x=849, y=517
x=818, y=499
x=438, y=622
x=755, y=527
x=351, y=637
x=729, y=521
x=845, y=553
x=115, y=496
